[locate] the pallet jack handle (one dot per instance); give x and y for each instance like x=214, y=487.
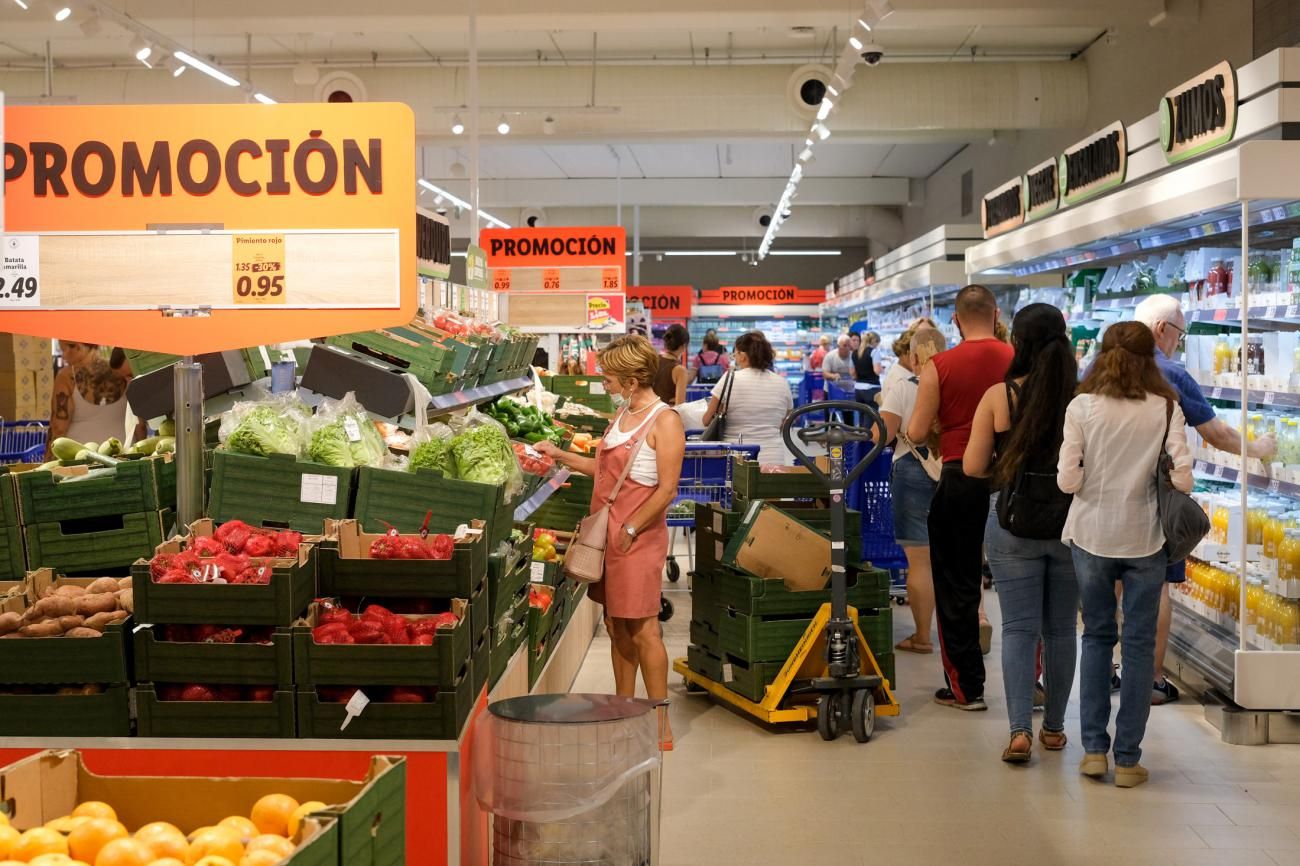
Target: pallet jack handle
x=834, y=431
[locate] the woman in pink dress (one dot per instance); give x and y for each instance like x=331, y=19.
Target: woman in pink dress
x=649, y=436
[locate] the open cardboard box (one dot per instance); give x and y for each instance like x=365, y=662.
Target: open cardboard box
x=50, y=784
x=355, y=544
x=771, y=544
x=206, y=526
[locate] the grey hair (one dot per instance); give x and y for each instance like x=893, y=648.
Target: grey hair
x=1156, y=309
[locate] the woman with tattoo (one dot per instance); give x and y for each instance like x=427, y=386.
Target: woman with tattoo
x=89, y=397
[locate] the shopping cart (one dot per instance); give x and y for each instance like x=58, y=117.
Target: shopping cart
x=698, y=392
x=22, y=441
x=706, y=477
x=871, y=496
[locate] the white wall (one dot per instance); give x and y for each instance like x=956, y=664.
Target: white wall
x=1125, y=82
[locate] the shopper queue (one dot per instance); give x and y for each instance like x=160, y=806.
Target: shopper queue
x=1055, y=480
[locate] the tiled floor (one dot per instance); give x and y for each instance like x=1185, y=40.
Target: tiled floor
x=929, y=788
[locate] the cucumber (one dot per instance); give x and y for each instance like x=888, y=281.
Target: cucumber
x=112, y=447
x=93, y=447
x=146, y=446
x=167, y=427
x=65, y=449
x=166, y=445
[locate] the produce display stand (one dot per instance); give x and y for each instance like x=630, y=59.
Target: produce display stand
x=1224, y=184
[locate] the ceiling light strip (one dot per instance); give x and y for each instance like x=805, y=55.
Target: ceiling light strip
x=461, y=203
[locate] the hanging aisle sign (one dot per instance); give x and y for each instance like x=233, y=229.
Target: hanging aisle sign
x=1042, y=191
x=765, y=295
x=559, y=280
x=1199, y=115
x=1004, y=208
x=664, y=302
x=1094, y=165
x=244, y=224
x=432, y=244
x=476, y=267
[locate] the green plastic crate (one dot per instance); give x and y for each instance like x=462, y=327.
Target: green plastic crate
x=103, y=715
x=66, y=660
x=372, y=826
x=704, y=663
x=504, y=642
x=382, y=664
x=458, y=577
x=480, y=613
x=430, y=361
x=867, y=589
x=750, y=681
x=13, y=559
x=83, y=546
x=480, y=659
x=439, y=719
x=771, y=639
x=218, y=719
x=705, y=601
x=160, y=661
x=749, y=482
x=278, y=603
x=403, y=499
x=705, y=636
x=722, y=524
x=131, y=487
x=9, y=497
x=504, y=594
x=278, y=491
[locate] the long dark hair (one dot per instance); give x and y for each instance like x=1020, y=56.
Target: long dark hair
x=1126, y=365
x=1044, y=358
x=756, y=347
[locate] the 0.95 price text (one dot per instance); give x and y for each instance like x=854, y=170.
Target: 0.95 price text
x=265, y=287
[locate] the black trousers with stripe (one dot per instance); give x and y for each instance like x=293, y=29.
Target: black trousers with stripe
x=957, y=516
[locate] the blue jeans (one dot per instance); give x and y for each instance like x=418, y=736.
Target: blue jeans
x=1143, y=579
x=1039, y=598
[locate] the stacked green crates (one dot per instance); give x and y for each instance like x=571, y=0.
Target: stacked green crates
x=743, y=627
x=13, y=559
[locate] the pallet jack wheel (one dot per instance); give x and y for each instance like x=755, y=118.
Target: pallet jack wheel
x=665, y=609
x=828, y=720
x=692, y=687
x=863, y=715
x=674, y=571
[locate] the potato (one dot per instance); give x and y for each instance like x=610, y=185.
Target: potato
x=70, y=591
x=126, y=599
x=52, y=608
x=69, y=622
x=101, y=621
x=10, y=622
x=89, y=605
x=49, y=628
x=83, y=632
x=103, y=584
x=124, y=583
x=11, y=634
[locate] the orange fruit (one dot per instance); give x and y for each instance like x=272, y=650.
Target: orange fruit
x=270, y=842
x=67, y=823
x=85, y=842
x=168, y=861
x=94, y=809
x=165, y=840
x=52, y=860
x=213, y=860
x=257, y=858
x=271, y=813
x=218, y=841
x=4, y=820
x=38, y=841
x=125, y=852
x=295, y=820
x=244, y=828
x=8, y=839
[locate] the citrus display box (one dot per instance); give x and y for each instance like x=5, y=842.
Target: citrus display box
x=347, y=569
x=362, y=824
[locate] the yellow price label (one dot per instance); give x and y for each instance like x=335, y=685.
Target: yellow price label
x=257, y=273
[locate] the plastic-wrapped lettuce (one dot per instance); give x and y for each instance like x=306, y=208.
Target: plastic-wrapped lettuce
x=483, y=453
x=432, y=450
x=276, y=425
x=343, y=435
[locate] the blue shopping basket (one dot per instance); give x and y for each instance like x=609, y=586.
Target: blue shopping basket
x=706, y=477
x=23, y=441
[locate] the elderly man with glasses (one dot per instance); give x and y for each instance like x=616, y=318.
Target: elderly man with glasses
x=1164, y=316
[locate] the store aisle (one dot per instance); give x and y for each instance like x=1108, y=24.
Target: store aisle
x=929, y=788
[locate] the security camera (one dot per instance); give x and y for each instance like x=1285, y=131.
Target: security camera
x=872, y=54
x=763, y=216
x=533, y=217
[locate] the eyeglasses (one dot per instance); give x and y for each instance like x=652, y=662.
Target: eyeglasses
x=1181, y=331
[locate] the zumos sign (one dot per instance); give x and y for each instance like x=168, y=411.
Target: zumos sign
x=1199, y=115
x=248, y=223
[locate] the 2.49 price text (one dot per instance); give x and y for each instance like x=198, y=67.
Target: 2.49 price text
x=18, y=287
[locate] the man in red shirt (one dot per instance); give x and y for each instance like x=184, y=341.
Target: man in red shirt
x=950, y=391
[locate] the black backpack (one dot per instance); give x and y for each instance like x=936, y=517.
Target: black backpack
x=1033, y=506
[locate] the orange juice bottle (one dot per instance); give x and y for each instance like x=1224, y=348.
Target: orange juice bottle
x=1219, y=525
x=1222, y=356
x=1291, y=623
x=1232, y=596
x=1255, y=526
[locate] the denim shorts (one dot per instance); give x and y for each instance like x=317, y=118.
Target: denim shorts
x=910, y=491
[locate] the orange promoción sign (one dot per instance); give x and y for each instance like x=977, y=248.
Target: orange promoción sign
x=158, y=198
x=599, y=246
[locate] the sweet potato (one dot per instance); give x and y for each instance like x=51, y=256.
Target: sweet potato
x=83, y=632
x=124, y=583
x=101, y=585
x=49, y=628
x=69, y=591
x=88, y=605
x=71, y=622
x=11, y=634
x=101, y=621
x=126, y=599
x=10, y=622
x=52, y=608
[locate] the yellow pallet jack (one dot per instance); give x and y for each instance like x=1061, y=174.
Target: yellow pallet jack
x=831, y=674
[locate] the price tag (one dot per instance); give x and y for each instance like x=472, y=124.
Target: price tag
x=20, y=271
x=1218, y=471
x=551, y=279
x=352, y=429
x=611, y=279
x=1270, y=313
x=1216, y=394
x=354, y=707
x=1274, y=485
x=1269, y=396
x=319, y=489
x=1220, y=315
x=257, y=269
x=500, y=280
x=537, y=572
x=1292, y=311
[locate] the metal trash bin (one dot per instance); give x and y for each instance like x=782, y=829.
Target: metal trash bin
x=570, y=779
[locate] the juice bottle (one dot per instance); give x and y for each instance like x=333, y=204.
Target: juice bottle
x=1223, y=356
x=1273, y=532
x=1291, y=623
x=1232, y=593
x=1255, y=526
x=1219, y=525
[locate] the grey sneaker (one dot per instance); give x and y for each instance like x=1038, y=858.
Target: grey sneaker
x=946, y=698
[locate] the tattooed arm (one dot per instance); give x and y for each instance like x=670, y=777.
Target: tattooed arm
x=61, y=408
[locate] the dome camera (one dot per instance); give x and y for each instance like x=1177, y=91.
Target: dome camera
x=763, y=216
x=872, y=54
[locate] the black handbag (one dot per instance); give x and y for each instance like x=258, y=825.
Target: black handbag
x=1033, y=506
x=714, y=432
x=1182, y=520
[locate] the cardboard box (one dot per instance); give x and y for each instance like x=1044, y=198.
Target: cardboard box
x=364, y=822
x=23, y=352
x=22, y=396
x=771, y=544
x=346, y=567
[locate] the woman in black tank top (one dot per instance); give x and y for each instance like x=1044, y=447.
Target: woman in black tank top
x=670, y=381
